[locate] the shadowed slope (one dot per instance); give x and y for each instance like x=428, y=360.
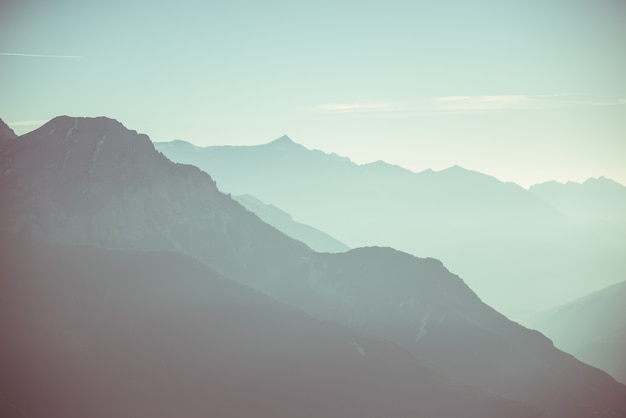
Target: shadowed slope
x=592, y=328
x=95, y=333
x=158, y=204
x=6, y=133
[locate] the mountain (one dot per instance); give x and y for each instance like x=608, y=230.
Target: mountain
x=6, y=133
x=281, y=220
x=92, y=181
x=594, y=200
x=516, y=250
x=90, y=332
x=591, y=328
x=423, y=307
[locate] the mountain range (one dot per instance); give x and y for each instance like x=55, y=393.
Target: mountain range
x=519, y=249
x=314, y=238
x=597, y=199
x=92, y=182
x=592, y=328
x=89, y=332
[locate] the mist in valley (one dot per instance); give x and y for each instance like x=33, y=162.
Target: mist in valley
x=380, y=209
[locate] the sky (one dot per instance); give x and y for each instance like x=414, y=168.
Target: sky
x=526, y=91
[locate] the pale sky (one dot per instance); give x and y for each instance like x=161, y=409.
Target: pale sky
x=526, y=91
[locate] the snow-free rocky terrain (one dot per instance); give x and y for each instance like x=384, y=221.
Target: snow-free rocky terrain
x=84, y=181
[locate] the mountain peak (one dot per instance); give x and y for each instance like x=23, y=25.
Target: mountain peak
x=77, y=132
x=283, y=140
x=177, y=144
x=284, y=143
x=65, y=120
x=93, y=173
x=68, y=150
x=602, y=182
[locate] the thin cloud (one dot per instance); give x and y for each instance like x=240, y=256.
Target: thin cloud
x=27, y=123
x=618, y=102
x=471, y=103
x=516, y=102
x=13, y=54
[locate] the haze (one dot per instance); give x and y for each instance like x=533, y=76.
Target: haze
x=525, y=91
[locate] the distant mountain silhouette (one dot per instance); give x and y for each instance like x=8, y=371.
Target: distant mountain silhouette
x=597, y=200
x=591, y=328
x=512, y=246
x=91, y=181
x=89, y=332
x=314, y=238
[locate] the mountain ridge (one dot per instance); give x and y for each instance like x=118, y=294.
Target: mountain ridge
x=161, y=334
x=6, y=133
x=443, y=214
x=316, y=240
x=591, y=328
x=416, y=303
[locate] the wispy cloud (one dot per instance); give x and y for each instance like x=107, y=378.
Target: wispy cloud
x=21, y=123
x=481, y=103
x=469, y=104
x=14, y=54
x=618, y=102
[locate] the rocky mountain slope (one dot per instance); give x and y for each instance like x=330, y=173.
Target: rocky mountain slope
x=515, y=249
x=91, y=181
x=591, y=328
x=89, y=332
x=6, y=133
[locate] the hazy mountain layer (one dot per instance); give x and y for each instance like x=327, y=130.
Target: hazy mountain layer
x=95, y=333
x=595, y=200
x=420, y=305
x=513, y=247
x=592, y=328
x=93, y=181
x=281, y=220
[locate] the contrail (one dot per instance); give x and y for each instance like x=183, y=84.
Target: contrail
x=11, y=54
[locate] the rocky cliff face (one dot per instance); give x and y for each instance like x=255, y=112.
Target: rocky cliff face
x=83, y=180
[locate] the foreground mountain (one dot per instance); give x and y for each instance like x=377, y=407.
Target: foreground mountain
x=421, y=306
x=281, y=220
x=6, y=133
x=94, y=333
x=591, y=328
x=91, y=181
x=513, y=247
